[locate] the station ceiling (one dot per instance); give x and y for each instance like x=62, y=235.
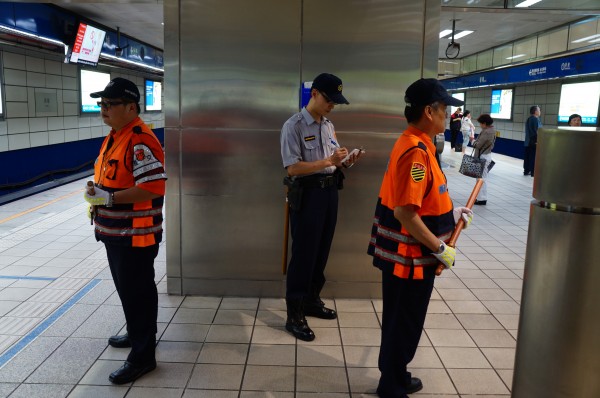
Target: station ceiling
x=491, y=22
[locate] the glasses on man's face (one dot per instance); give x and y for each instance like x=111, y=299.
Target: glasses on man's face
x=108, y=104
x=327, y=99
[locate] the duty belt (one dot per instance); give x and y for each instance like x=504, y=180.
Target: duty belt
x=318, y=181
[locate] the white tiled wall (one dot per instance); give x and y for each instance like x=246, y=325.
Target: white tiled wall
x=545, y=94
x=24, y=73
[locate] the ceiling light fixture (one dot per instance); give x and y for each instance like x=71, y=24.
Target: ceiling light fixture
x=445, y=32
x=527, y=3
x=462, y=34
x=590, y=38
x=516, y=56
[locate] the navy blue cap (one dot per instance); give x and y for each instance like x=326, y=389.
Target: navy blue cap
x=427, y=91
x=119, y=88
x=331, y=86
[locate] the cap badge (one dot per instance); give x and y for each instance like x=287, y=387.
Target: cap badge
x=340, y=88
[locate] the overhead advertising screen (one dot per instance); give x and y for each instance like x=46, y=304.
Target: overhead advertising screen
x=580, y=98
x=87, y=46
x=153, y=96
x=91, y=82
x=460, y=96
x=502, y=104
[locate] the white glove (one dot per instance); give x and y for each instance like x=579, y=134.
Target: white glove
x=101, y=198
x=465, y=213
x=447, y=255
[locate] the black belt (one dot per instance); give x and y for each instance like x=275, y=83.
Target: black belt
x=318, y=181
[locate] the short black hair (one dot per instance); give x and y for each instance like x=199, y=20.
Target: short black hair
x=573, y=116
x=467, y=113
x=414, y=113
x=485, y=118
x=532, y=109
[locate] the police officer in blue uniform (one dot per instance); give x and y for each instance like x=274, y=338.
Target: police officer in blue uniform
x=313, y=158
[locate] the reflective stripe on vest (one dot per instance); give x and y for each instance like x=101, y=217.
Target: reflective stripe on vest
x=105, y=212
x=128, y=231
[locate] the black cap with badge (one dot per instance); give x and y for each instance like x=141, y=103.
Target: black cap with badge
x=331, y=86
x=119, y=88
x=427, y=91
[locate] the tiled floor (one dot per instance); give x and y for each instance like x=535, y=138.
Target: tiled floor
x=58, y=306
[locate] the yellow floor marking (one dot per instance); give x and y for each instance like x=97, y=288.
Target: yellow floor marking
x=40, y=206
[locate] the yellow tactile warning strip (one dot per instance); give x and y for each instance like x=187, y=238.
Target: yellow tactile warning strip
x=40, y=206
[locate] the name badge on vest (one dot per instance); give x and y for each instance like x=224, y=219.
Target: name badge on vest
x=309, y=138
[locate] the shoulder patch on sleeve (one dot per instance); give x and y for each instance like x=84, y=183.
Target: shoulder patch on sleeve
x=417, y=171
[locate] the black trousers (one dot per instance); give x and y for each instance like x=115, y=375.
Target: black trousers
x=312, y=233
x=405, y=303
x=132, y=269
x=453, y=136
x=529, y=159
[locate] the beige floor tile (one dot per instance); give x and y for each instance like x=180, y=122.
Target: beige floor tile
x=171, y=375
x=442, y=321
x=358, y=319
x=222, y=377
x=507, y=376
x=477, y=381
x=435, y=381
x=492, y=338
x=462, y=358
x=491, y=294
x=239, y=303
x=201, y=302
x=229, y=334
x=456, y=294
x=361, y=357
x=363, y=380
x=467, y=307
x=438, y=307
x=449, y=282
x=479, y=321
x=270, y=304
x=83, y=391
x=272, y=354
x=176, y=351
x=313, y=355
x=272, y=335
x=223, y=353
x=427, y=358
x=480, y=283
x=502, y=307
x=271, y=318
x=509, y=321
x=349, y=305
x=208, y=393
x=146, y=392
x=324, y=336
x=185, y=332
x=321, y=379
x=268, y=378
x=361, y=336
x=235, y=317
x=500, y=358
x=449, y=338
x=266, y=394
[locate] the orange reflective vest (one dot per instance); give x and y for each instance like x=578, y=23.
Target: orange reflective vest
x=413, y=177
x=131, y=157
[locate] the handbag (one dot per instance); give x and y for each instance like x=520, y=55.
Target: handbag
x=472, y=166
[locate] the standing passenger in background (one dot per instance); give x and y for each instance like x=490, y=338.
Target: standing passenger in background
x=313, y=159
x=575, y=120
x=532, y=125
x=483, y=150
x=455, y=124
x=467, y=129
x=127, y=204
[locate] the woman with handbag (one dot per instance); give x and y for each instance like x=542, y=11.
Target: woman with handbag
x=483, y=149
x=467, y=129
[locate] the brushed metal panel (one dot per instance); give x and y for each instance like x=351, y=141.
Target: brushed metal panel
x=171, y=63
x=239, y=62
x=558, y=345
x=375, y=48
x=567, y=168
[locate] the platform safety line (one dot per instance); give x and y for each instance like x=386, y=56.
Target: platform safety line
x=40, y=206
x=39, y=329
x=32, y=278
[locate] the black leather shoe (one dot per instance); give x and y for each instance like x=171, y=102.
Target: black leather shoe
x=481, y=202
x=299, y=328
x=121, y=341
x=130, y=372
x=318, y=310
x=414, y=386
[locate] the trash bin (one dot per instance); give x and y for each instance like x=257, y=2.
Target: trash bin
x=558, y=344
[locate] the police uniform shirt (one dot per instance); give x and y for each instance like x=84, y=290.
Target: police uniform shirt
x=303, y=139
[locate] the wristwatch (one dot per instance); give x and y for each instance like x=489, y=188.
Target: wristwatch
x=441, y=248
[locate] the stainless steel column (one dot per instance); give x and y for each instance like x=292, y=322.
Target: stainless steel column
x=558, y=345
